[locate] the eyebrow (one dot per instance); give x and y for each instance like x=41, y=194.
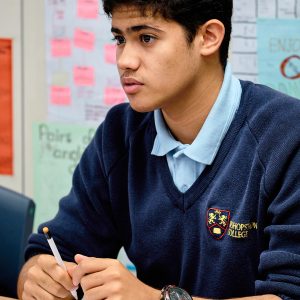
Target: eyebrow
x=136, y=28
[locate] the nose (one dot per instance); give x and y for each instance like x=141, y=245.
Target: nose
x=127, y=57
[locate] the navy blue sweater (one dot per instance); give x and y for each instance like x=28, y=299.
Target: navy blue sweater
x=234, y=233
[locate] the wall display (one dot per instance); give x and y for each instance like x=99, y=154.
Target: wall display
x=6, y=108
x=82, y=79
x=244, y=31
x=279, y=55
x=57, y=149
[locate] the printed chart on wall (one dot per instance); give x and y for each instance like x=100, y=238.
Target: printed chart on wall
x=6, y=117
x=82, y=77
x=244, y=42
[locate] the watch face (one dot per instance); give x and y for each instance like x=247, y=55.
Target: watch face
x=176, y=293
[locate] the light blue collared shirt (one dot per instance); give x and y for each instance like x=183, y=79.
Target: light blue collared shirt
x=187, y=162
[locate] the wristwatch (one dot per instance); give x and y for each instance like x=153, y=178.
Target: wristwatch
x=172, y=292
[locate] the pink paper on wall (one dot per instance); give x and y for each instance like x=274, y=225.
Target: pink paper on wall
x=61, y=47
x=84, y=76
x=114, y=95
x=60, y=95
x=110, y=53
x=84, y=39
x=88, y=9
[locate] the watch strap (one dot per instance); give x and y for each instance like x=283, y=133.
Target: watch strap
x=165, y=292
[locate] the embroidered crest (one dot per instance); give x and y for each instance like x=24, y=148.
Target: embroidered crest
x=217, y=221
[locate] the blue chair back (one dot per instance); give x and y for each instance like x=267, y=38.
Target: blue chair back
x=16, y=221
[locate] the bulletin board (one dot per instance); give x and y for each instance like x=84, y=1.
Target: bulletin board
x=11, y=86
x=82, y=80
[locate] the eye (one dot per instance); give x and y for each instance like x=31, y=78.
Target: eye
x=147, y=39
x=119, y=39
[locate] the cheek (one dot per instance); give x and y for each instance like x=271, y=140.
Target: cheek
x=172, y=72
x=167, y=66
x=179, y=58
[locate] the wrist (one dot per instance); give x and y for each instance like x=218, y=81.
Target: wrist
x=154, y=294
x=150, y=293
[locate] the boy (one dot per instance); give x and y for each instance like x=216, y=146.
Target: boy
x=197, y=178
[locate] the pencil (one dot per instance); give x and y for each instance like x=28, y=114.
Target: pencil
x=57, y=255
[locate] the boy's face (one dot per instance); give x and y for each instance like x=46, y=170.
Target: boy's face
x=157, y=67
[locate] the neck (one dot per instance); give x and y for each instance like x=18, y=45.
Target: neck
x=186, y=119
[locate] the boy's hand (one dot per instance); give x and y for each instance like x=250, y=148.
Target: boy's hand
x=44, y=279
x=109, y=279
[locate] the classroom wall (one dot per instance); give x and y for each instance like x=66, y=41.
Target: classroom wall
x=35, y=104
x=23, y=21
x=11, y=27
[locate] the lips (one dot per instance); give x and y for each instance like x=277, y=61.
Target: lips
x=131, y=85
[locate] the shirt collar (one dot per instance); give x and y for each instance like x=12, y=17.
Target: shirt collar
x=164, y=141
x=206, y=145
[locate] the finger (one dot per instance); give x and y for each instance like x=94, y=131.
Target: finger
x=92, y=261
x=49, y=265
x=26, y=296
x=38, y=279
x=101, y=278
x=90, y=265
x=71, y=270
x=90, y=281
x=99, y=293
x=33, y=289
x=79, y=257
x=53, y=287
x=46, y=295
x=61, y=277
x=27, y=291
x=70, y=264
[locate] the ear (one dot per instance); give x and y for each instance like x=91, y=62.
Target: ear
x=211, y=35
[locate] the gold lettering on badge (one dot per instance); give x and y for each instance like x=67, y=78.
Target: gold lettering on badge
x=241, y=230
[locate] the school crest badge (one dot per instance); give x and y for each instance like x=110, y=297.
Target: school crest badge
x=217, y=221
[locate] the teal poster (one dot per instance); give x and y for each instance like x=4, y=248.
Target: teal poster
x=279, y=54
x=57, y=149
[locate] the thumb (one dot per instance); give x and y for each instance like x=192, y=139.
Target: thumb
x=71, y=269
x=79, y=257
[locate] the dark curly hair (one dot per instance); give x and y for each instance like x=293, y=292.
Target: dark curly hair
x=189, y=13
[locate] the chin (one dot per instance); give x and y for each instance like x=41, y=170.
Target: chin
x=141, y=107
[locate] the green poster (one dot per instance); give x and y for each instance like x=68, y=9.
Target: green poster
x=57, y=149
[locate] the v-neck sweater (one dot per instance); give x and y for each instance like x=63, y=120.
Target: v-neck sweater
x=187, y=161
x=234, y=233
